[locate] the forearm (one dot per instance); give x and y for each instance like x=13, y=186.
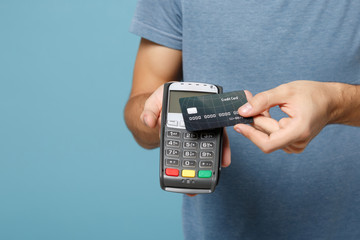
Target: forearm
x=346, y=107
x=154, y=66
x=145, y=136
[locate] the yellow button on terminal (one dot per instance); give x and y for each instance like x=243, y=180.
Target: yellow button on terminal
x=188, y=173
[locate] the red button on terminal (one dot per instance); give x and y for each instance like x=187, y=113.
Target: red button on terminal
x=172, y=172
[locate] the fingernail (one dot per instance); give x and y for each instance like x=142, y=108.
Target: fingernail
x=246, y=108
x=238, y=130
x=145, y=119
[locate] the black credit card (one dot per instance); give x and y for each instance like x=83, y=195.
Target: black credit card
x=213, y=110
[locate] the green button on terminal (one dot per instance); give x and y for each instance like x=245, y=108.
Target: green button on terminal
x=205, y=174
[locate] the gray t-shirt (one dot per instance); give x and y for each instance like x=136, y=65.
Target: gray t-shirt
x=258, y=45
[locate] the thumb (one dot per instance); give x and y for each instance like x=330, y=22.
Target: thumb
x=152, y=108
x=261, y=102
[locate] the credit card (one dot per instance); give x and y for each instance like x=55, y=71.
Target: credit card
x=213, y=110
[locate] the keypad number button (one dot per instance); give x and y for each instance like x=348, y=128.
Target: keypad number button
x=206, y=154
x=189, y=135
x=189, y=154
x=172, y=143
x=207, y=145
x=172, y=152
x=190, y=145
x=207, y=135
x=173, y=134
x=189, y=163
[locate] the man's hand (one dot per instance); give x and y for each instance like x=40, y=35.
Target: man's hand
x=310, y=106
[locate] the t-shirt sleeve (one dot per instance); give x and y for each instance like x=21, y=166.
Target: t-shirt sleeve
x=159, y=21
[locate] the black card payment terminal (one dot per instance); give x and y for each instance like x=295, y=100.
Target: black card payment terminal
x=190, y=162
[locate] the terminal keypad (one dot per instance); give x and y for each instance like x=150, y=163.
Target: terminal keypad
x=188, y=154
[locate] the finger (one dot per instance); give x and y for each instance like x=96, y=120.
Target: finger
x=265, y=124
x=269, y=143
x=284, y=137
x=301, y=144
x=262, y=102
x=292, y=149
x=159, y=125
x=266, y=114
x=287, y=150
x=258, y=137
x=226, y=153
x=152, y=108
x=149, y=118
x=295, y=149
x=284, y=122
x=248, y=94
x=159, y=120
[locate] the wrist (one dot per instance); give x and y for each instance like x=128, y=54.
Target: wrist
x=344, y=104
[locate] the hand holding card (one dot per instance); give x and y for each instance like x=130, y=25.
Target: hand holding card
x=213, y=110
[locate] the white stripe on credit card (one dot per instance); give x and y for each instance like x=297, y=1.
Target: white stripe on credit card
x=192, y=110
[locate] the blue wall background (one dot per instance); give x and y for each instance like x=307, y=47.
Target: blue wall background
x=69, y=168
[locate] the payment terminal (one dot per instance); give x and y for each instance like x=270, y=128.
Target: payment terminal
x=190, y=162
